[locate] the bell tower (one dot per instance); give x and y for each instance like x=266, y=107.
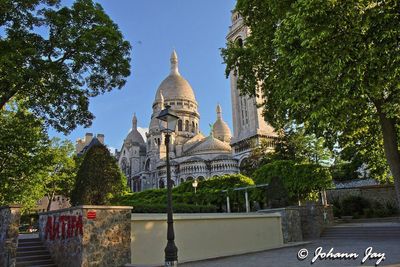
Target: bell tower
x=249, y=126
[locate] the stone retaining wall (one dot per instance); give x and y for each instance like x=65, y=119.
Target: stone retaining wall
x=381, y=193
x=303, y=222
x=314, y=219
x=9, y=224
x=87, y=235
x=291, y=223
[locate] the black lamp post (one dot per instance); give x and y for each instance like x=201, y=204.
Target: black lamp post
x=168, y=121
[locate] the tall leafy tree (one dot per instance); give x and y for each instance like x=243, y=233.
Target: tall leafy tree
x=60, y=174
x=293, y=144
x=99, y=178
x=333, y=65
x=55, y=58
x=23, y=157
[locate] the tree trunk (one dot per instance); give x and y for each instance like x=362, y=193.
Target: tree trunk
x=391, y=149
x=50, y=201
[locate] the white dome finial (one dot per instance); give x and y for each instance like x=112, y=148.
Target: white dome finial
x=219, y=111
x=174, y=63
x=134, y=122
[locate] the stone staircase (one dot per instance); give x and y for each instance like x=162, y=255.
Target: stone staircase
x=363, y=231
x=32, y=253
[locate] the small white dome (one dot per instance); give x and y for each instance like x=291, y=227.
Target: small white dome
x=134, y=136
x=221, y=129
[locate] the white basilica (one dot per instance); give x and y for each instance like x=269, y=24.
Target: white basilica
x=193, y=155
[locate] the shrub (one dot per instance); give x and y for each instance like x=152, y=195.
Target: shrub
x=392, y=208
x=178, y=208
x=354, y=205
x=99, y=178
x=208, y=193
x=301, y=181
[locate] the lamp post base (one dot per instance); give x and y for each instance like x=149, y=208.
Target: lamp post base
x=171, y=264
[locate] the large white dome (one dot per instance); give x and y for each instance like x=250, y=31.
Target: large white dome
x=175, y=87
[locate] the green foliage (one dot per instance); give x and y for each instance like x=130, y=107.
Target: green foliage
x=360, y=207
x=99, y=178
x=297, y=145
x=332, y=66
x=354, y=205
x=301, y=181
x=227, y=181
x=24, y=156
x=59, y=176
x=293, y=144
x=208, y=194
x=276, y=193
x=78, y=53
x=177, y=207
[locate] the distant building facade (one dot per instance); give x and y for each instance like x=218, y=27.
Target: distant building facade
x=83, y=144
x=193, y=155
x=58, y=202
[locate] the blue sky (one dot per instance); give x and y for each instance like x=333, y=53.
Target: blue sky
x=196, y=29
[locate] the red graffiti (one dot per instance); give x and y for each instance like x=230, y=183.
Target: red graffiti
x=63, y=226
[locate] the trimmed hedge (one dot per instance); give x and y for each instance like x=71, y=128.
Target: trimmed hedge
x=178, y=208
x=208, y=198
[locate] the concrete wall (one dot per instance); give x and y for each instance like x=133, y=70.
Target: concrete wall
x=87, y=235
x=203, y=236
x=9, y=223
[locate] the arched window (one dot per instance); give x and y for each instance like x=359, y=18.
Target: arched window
x=193, y=127
x=179, y=125
x=187, y=126
x=161, y=183
x=240, y=42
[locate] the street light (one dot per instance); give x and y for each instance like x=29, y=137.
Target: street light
x=194, y=184
x=168, y=121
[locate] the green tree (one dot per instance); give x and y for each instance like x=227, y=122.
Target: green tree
x=54, y=58
x=293, y=144
x=301, y=181
x=297, y=145
x=23, y=157
x=99, y=178
x=332, y=65
x=60, y=175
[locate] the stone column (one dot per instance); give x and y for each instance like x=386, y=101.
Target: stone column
x=9, y=223
x=88, y=235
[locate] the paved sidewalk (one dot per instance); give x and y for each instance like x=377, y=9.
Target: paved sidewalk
x=287, y=257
